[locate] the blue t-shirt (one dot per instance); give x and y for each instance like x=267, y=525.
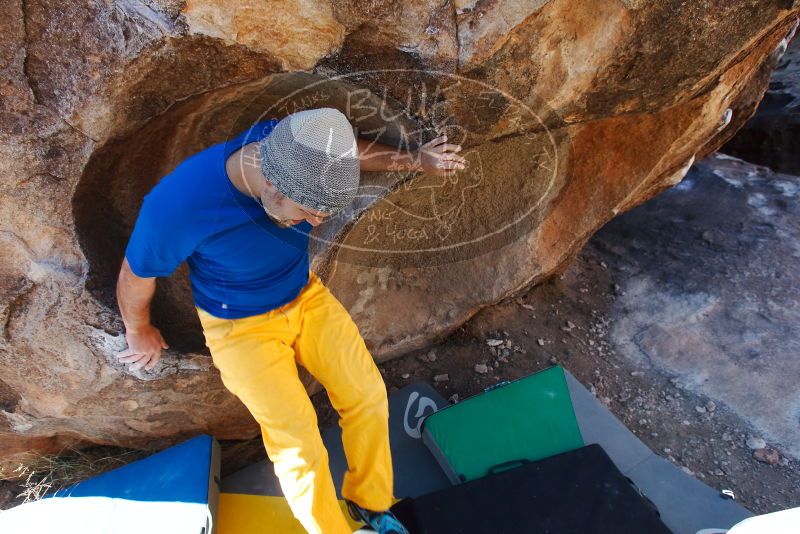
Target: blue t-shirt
x=240, y=262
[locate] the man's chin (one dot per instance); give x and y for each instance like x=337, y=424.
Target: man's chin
x=279, y=222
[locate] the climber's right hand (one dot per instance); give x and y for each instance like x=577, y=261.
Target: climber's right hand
x=144, y=348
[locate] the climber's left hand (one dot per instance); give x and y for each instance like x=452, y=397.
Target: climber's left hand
x=439, y=158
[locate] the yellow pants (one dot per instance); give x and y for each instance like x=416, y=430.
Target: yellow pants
x=257, y=358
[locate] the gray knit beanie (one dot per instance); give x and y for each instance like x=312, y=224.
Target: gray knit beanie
x=311, y=157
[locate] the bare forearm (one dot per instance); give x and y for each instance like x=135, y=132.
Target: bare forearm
x=145, y=342
x=435, y=158
x=375, y=156
x=134, y=295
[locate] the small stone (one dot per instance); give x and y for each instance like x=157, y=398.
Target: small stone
x=428, y=357
x=726, y=437
x=642, y=422
x=687, y=470
x=405, y=375
x=130, y=405
x=754, y=442
x=494, y=342
x=711, y=406
x=441, y=378
x=553, y=360
x=667, y=450
x=767, y=456
x=540, y=341
x=685, y=422
x=700, y=409
x=521, y=303
x=453, y=398
x=637, y=373
x=718, y=472
x=481, y=368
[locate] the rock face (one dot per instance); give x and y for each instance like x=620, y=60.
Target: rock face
x=568, y=116
x=772, y=136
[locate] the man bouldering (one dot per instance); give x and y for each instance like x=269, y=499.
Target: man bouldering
x=239, y=213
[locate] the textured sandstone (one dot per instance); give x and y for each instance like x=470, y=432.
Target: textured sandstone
x=281, y=29
x=568, y=114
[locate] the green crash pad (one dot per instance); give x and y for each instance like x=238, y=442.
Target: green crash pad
x=525, y=420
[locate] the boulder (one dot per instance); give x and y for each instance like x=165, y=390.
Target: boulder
x=772, y=136
x=568, y=116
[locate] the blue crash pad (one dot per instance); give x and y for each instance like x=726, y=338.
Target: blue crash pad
x=180, y=473
x=172, y=492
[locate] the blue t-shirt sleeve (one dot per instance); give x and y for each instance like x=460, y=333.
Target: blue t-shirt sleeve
x=161, y=240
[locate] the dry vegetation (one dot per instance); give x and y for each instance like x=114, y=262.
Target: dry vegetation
x=40, y=475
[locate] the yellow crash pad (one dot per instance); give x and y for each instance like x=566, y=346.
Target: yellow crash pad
x=260, y=514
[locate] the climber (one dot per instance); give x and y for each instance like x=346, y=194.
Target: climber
x=239, y=213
